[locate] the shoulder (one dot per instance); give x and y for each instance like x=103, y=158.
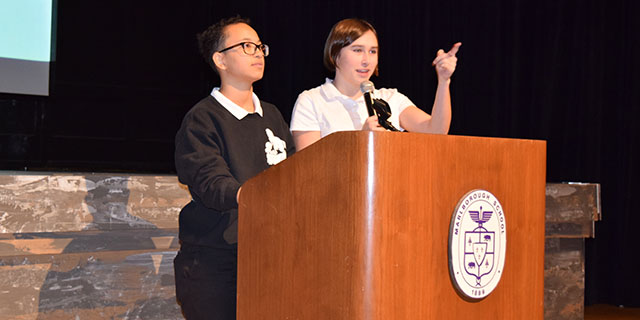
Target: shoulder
x=387, y=92
x=205, y=113
x=207, y=105
x=393, y=96
x=311, y=99
x=311, y=94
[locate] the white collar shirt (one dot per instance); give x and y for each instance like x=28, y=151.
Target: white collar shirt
x=327, y=110
x=236, y=110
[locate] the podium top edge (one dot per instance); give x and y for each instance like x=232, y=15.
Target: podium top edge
x=360, y=133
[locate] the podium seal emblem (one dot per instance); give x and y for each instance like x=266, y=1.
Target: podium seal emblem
x=477, y=244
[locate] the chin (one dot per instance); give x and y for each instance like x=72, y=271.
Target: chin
x=257, y=75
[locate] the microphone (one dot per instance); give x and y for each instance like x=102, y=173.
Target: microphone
x=367, y=89
x=378, y=107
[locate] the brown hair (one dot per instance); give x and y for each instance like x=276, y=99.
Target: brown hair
x=344, y=33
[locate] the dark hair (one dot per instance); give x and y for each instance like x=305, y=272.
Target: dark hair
x=211, y=39
x=344, y=33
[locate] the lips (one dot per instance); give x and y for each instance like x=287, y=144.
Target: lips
x=362, y=72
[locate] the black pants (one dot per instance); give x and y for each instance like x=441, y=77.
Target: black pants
x=206, y=282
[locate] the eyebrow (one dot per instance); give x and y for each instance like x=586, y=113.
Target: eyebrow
x=362, y=46
x=250, y=40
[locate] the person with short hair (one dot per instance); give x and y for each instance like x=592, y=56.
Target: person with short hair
x=351, y=51
x=225, y=139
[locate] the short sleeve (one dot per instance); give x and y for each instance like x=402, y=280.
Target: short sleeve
x=304, y=116
x=398, y=100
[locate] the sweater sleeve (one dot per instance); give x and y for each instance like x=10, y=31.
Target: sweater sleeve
x=200, y=165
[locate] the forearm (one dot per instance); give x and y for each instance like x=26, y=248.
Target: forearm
x=441, y=111
x=213, y=185
x=304, y=139
x=200, y=165
x=219, y=192
x=445, y=65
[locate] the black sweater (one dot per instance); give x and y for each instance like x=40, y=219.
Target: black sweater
x=215, y=154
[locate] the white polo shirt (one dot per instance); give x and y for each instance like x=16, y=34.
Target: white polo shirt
x=327, y=110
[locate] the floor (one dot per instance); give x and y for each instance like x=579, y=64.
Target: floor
x=609, y=312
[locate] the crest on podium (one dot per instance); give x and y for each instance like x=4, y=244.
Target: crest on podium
x=477, y=244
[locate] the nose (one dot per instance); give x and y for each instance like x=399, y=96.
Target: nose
x=365, y=59
x=258, y=54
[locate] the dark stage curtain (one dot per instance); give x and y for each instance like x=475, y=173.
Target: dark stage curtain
x=563, y=71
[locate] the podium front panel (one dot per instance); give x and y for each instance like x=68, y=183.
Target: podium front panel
x=356, y=226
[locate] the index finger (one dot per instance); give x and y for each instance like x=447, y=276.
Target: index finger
x=452, y=53
x=454, y=49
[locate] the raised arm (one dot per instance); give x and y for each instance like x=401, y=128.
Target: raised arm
x=416, y=120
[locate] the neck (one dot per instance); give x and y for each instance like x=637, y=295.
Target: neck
x=241, y=95
x=346, y=88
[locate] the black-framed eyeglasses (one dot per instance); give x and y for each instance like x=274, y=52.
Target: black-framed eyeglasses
x=249, y=48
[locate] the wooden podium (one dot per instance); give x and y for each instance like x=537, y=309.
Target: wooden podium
x=356, y=226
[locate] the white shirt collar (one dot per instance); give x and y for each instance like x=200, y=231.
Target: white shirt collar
x=332, y=93
x=236, y=110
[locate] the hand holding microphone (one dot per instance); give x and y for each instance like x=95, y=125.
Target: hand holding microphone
x=371, y=124
x=377, y=107
x=366, y=87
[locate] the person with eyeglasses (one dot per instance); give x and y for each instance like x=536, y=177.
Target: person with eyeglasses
x=225, y=139
x=351, y=51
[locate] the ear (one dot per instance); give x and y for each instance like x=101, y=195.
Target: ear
x=218, y=60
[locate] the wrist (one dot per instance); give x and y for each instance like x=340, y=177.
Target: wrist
x=445, y=82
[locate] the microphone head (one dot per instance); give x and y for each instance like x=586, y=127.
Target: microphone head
x=366, y=86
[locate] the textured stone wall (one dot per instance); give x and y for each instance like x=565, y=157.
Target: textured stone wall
x=571, y=212
x=101, y=246
x=92, y=246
